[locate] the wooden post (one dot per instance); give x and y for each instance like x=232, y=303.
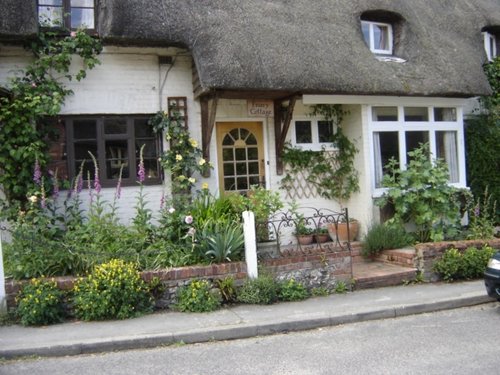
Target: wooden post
x=250, y=244
x=3, y=298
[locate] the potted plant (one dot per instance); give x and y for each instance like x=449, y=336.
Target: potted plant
x=339, y=230
x=304, y=234
x=321, y=235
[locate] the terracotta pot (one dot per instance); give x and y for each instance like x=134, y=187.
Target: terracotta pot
x=340, y=231
x=305, y=239
x=321, y=238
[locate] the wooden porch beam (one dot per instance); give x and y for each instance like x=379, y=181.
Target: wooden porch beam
x=207, y=125
x=281, y=130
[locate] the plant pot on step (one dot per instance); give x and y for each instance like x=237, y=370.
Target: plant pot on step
x=305, y=239
x=340, y=230
x=321, y=237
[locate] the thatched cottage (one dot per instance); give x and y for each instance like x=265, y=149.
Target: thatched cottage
x=402, y=70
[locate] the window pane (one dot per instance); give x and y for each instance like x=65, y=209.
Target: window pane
x=386, y=147
x=445, y=114
x=50, y=15
x=385, y=113
x=81, y=17
x=416, y=114
x=151, y=168
x=446, y=149
x=82, y=3
x=325, y=131
x=303, y=132
x=142, y=129
x=381, y=37
x=82, y=149
x=88, y=169
x=414, y=140
x=115, y=126
x=116, y=156
x=84, y=129
x=149, y=150
x=365, y=29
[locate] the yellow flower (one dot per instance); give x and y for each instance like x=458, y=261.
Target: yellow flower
x=204, y=186
x=181, y=177
x=33, y=199
x=192, y=180
x=178, y=157
x=193, y=142
x=202, y=161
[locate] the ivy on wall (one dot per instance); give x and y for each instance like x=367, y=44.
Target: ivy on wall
x=35, y=94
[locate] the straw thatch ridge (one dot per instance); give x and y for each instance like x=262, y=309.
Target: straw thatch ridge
x=314, y=46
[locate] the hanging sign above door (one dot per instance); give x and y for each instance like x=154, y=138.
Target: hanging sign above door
x=260, y=108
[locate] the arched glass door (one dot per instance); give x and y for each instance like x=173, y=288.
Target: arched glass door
x=241, y=156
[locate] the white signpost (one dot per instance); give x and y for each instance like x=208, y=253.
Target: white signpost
x=250, y=244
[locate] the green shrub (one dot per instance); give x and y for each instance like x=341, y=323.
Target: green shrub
x=221, y=241
x=198, y=296
x=114, y=290
x=291, y=290
x=261, y=291
x=384, y=237
x=470, y=264
x=340, y=287
x=227, y=289
x=319, y=291
x=40, y=303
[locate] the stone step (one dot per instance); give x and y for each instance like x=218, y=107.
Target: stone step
x=376, y=274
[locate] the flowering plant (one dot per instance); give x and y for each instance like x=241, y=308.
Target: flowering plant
x=184, y=157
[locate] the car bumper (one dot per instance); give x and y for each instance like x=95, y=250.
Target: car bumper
x=492, y=283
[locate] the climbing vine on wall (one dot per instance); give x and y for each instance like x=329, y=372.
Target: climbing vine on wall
x=35, y=94
x=332, y=174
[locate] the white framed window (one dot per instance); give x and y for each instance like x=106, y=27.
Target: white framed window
x=378, y=36
x=490, y=45
x=398, y=130
x=312, y=134
x=71, y=14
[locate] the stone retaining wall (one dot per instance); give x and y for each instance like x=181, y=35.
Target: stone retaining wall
x=428, y=253
x=314, y=269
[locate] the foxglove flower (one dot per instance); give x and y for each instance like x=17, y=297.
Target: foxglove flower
x=37, y=173
x=141, y=174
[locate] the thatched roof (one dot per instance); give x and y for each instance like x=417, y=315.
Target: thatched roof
x=312, y=46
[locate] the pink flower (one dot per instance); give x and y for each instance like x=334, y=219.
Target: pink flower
x=188, y=220
x=37, y=173
x=141, y=174
x=73, y=34
x=33, y=85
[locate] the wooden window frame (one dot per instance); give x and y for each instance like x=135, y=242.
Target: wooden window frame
x=101, y=138
x=66, y=15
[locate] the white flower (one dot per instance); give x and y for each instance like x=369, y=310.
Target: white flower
x=192, y=180
x=33, y=199
x=171, y=210
x=202, y=161
x=188, y=219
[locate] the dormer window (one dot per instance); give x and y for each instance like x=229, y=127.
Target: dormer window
x=490, y=45
x=378, y=36
x=71, y=14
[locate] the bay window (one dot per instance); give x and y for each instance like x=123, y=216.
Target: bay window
x=398, y=130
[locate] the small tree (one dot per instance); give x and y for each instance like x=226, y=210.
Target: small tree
x=422, y=196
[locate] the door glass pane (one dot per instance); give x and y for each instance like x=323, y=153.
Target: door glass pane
x=241, y=168
x=84, y=129
x=229, y=184
x=325, y=131
x=228, y=169
x=385, y=113
x=242, y=183
x=303, y=132
x=251, y=140
x=227, y=154
x=253, y=168
x=240, y=153
x=254, y=180
x=253, y=153
x=416, y=114
x=445, y=114
x=243, y=133
x=115, y=126
x=228, y=140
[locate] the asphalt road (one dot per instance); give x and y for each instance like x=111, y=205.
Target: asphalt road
x=461, y=341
